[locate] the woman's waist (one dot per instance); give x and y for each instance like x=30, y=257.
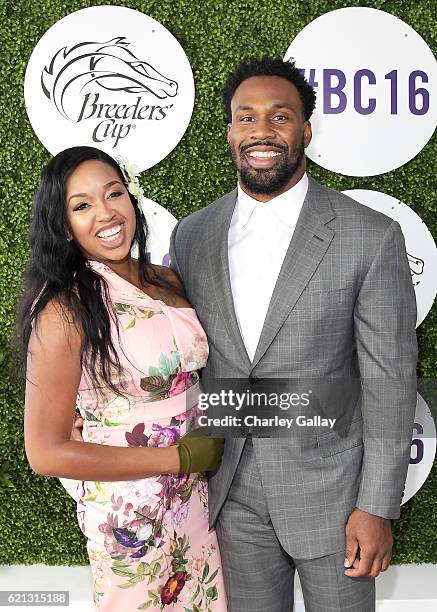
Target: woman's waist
x=126, y=411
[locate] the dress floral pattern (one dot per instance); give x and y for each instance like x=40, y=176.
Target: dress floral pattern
x=148, y=540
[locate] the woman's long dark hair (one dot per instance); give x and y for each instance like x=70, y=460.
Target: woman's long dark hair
x=57, y=270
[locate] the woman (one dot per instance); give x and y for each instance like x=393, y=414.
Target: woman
x=117, y=337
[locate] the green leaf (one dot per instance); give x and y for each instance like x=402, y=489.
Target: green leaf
x=120, y=571
x=175, y=361
x=154, y=384
x=205, y=571
x=121, y=308
x=136, y=578
x=145, y=605
x=141, y=569
x=156, y=567
x=195, y=595
x=91, y=497
x=164, y=365
x=89, y=416
x=130, y=324
x=112, y=424
x=186, y=490
x=211, y=578
x=120, y=564
x=212, y=593
x=148, y=314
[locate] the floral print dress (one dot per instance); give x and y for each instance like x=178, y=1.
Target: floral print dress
x=148, y=540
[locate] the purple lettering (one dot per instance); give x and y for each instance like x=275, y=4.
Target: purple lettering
x=312, y=78
x=414, y=92
x=363, y=110
x=418, y=443
x=336, y=90
x=393, y=78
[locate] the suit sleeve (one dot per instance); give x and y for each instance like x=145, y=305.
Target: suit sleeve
x=173, y=259
x=384, y=323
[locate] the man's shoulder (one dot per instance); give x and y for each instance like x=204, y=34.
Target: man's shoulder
x=350, y=212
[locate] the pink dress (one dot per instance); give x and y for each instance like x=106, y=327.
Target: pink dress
x=148, y=540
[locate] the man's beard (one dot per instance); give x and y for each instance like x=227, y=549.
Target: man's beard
x=267, y=181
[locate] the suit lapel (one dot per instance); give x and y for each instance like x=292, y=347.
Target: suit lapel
x=311, y=239
x=217, y=234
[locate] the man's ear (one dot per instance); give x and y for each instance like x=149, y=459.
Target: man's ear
x=228, y=132
x=307, y=133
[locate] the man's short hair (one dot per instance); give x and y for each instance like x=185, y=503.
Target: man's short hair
x=269, y=66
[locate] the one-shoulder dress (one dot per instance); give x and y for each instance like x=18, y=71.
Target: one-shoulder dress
x=148, y=540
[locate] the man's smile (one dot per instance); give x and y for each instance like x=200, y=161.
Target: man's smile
x=262, y=157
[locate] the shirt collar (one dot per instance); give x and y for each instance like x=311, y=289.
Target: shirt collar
x=286, y=206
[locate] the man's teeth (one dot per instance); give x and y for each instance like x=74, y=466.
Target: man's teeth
x=264, y=154
x=110, y=234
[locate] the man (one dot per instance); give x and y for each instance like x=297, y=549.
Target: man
x=293, y=280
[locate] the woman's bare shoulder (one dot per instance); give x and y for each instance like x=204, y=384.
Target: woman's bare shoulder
x=57, y=321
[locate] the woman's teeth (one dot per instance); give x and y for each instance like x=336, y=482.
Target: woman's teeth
x=110, y=234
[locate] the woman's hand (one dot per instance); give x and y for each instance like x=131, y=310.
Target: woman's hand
x=199, y=454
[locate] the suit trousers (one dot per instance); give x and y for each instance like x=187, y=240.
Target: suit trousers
x=258, y=572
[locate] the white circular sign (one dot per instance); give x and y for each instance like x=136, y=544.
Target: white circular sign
x=160, y=224
x=112, y=78
x=419, y=243
x=423, y=450
x=375, y=80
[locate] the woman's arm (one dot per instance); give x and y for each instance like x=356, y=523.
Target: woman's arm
x=53, y=376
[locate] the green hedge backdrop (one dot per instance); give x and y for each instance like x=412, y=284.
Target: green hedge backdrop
x=37, y=517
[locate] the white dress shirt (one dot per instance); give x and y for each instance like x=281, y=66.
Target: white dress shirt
x=258, y=239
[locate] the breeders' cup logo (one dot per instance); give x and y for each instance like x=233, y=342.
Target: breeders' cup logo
x=416, y=268
x=74, y=74
x=110, y=89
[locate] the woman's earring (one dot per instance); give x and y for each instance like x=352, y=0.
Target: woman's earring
x=70, y=239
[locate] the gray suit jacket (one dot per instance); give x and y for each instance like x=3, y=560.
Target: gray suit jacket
x=343, y=305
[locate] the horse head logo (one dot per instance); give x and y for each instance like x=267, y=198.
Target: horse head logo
x=416, y=268
x=109, y=66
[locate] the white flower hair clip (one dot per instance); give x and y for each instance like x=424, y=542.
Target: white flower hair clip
x=130, y=175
